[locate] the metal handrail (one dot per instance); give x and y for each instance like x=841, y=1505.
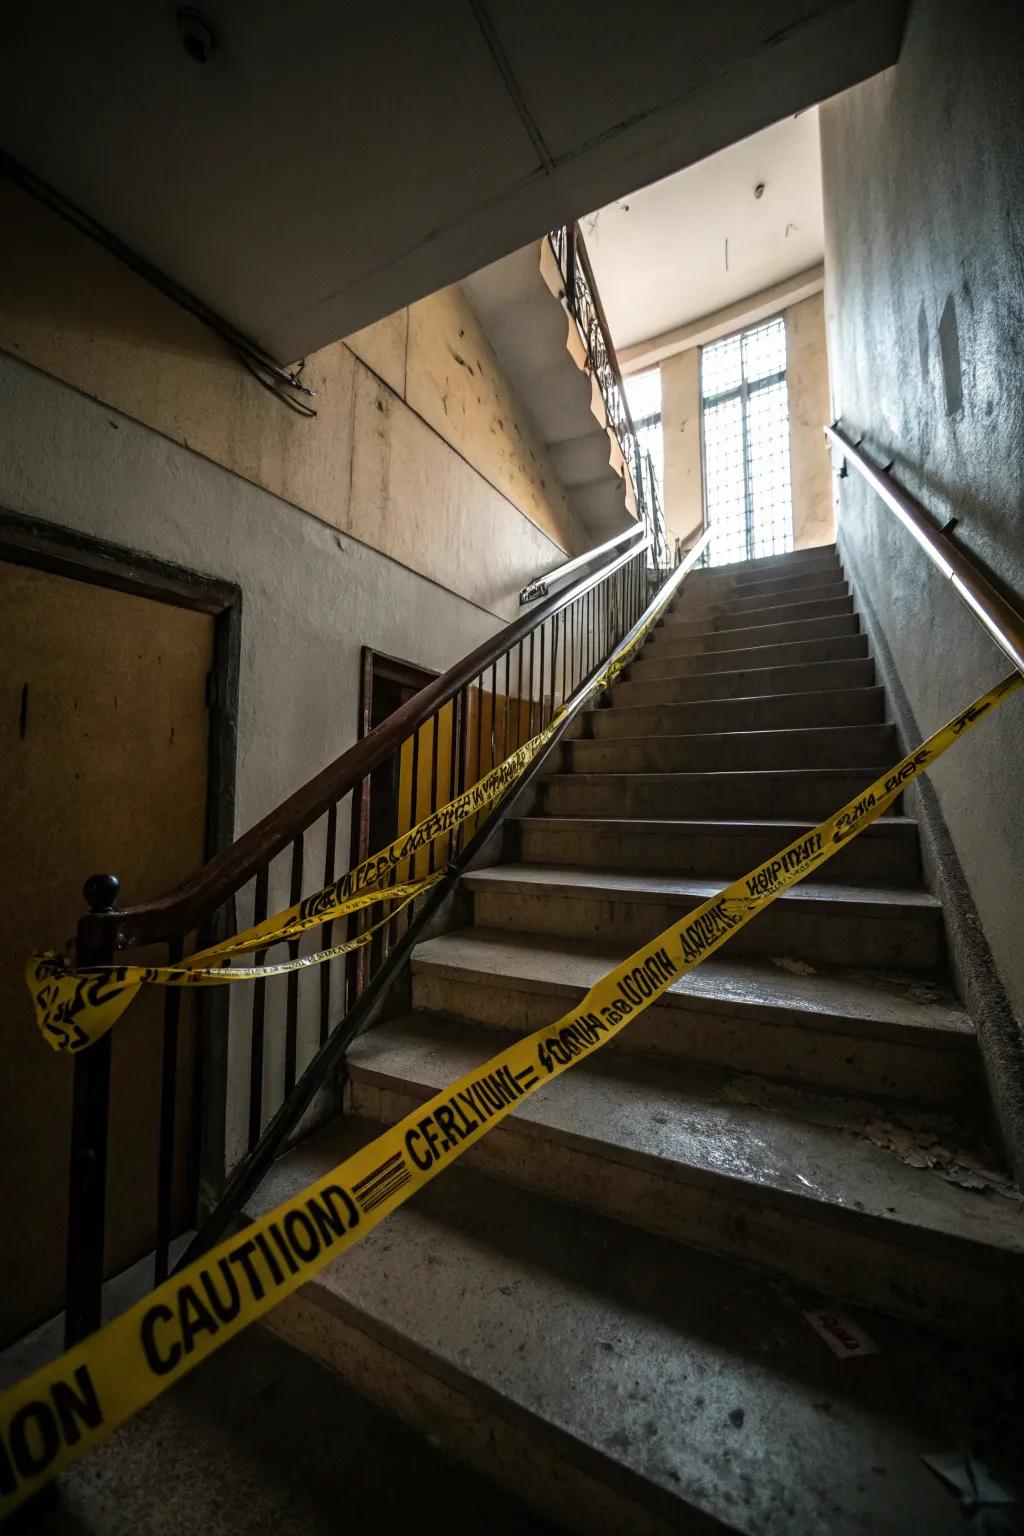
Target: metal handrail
x=542, y=585
x=249, y=1173
x=999, y=617
x=189, y=904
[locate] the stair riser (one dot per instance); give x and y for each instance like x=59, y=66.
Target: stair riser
x=823, y=935
x=467, y=1422
x=712, y=589
x=666, y=641
x=869, y=746
x=768, y=567
x=848, y=1256
x=755, y=683
x=782, y=613
x=652, y=665
x=867, y=860
x=806, y=1056
x=777, y=712
x=797, y=797
x=701, y=609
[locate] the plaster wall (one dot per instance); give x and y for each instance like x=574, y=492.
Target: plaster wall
x=807, y=380
x=420, y=448
x=807, y=377
x=312, y=596
x=924, y=191
x=680, y=429
x=405, y=518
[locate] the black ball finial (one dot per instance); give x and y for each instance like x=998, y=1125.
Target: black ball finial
x=100, y=892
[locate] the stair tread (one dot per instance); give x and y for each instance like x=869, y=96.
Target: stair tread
x=882, y=1004
x=696, y=775
x=772, y=1144
x=681, y=619
x=654, y=886
x=807, y=694
x=788, y=828
x=713, y=1395
x=663, y=657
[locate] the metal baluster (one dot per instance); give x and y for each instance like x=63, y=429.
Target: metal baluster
x=460, y=752
x=291, y=1030
x=554, y=658
x=435, y=727
x=542, y=677
x=259, y=1009
x=87, y=1175
x=566, y=641
x=494, y=712
x=168, y=1106
x=330, y=855
x=505, y=723
x=531, y=732
x=519, y=697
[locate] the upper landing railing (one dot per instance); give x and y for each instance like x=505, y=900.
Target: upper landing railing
x=583, y=302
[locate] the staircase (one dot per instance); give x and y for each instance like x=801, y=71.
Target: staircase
x=602, y=1307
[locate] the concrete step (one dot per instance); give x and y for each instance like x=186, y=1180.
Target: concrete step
x=752, y=586
x=877, y=1033
x=262, y=1438
x=808, y=677
x=776, y=613
x=663, y=662
x=839, y=746
x=885, y=853
x=804, y=793
x=782, y=711
x=668, y=640
x=778, y=1177
x=700, y=608
x=583, y=1366
x=768, y=566
x=823, y=924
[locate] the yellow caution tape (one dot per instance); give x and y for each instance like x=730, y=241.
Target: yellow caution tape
x=75, y=1005
x=66, y=1409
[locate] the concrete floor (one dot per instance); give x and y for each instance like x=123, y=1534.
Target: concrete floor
x=263, y=1439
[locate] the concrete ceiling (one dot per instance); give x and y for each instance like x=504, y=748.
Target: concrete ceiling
x=330, y=163
x=701, y=240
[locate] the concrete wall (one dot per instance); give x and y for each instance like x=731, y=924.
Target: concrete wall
x=807, y=374
x=680, y=429
x=807, y=378
x=404, y=518
x=924, y=192
x=420, y=448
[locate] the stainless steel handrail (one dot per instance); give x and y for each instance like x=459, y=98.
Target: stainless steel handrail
x=998, y=616
x=542, y=585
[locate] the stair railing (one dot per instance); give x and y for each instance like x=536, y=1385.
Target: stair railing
x=542, y=585
x=995, y=614
x=583, y=301
x=437, y=744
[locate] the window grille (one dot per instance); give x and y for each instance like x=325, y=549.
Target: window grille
x=745, y=422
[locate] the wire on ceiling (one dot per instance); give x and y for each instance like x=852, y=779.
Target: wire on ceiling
x=286, y=384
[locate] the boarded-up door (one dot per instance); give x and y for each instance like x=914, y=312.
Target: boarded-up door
x=103, y=760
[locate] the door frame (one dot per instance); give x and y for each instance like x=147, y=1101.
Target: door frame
x=63, y=551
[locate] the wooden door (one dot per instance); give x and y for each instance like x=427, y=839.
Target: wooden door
x=103, y=759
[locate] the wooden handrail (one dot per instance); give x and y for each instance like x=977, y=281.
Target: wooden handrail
x=998, y=616
x=183, y=909
x=541, y=586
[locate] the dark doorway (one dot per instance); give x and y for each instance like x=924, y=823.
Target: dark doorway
x=112, y=743
x=383, y=803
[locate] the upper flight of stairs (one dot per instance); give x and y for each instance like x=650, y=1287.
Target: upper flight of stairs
x=602, y=1306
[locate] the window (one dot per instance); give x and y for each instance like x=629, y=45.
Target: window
x=745, y=421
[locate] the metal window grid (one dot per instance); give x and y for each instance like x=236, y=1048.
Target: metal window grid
x=745, y=428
